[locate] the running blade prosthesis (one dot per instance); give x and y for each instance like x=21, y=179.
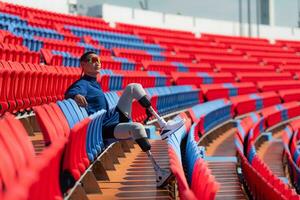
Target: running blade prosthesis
x=162, y=175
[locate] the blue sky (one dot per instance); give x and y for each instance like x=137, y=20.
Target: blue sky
x=285, y=10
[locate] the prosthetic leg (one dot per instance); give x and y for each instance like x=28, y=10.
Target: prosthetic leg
x=137, y=131
x=167, y=128
x=138, y=134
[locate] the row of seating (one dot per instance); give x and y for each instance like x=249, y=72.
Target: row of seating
x=255, y=117
x=18, y=97
x=76, y=48
x=61, y=58
x=264, y=48
x=205, y=117
x=290, y=68
x=18, y=53
x=168, y=41
x=58, y=58
x=235, y=39
x=199, y=78
x=284, y=55
x=288, y=44
x=225, y=59
x=251, y=174
x=115, y=40
x=243, y=67
x=280, y=61
x=197, y=188
x=290, y=137
x=140, y=55
x=210, y=114
x=62, y=45
x=254, y=169
x=66, y=119
x=169, y=67
x=226, y=77
x=206, y=47
x=35, y=36
x=243, y=104
x=117, y=79
x=58, y=18
x=23, y=174
x=26, y=85
x=97, y=34
x=20, y=26
x=7, y=38
x=227, y=90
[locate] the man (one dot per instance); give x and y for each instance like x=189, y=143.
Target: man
x=116, y=124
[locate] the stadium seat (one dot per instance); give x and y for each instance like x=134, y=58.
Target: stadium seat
x=254, y=76
x=253, y=102
x=265, y=86
x=200, y=78
x=19, y=161
x=95, y=144
x=226, y=90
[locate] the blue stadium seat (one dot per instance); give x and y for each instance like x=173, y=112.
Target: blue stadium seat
x=94, y=142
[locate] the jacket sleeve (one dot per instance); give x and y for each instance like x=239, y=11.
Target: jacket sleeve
x=76, y=88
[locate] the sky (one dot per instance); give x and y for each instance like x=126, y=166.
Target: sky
x=286, y=11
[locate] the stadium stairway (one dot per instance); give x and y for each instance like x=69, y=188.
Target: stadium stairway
x=271, y=153
x=222, y=160
x=133, y=176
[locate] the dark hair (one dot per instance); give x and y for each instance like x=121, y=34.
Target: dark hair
x=85, y=56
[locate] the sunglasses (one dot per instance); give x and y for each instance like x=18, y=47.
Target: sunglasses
x=93, y=60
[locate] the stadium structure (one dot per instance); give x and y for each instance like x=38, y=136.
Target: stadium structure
x=239, y=97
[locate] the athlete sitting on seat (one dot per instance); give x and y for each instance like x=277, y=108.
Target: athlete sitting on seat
x=117, y=124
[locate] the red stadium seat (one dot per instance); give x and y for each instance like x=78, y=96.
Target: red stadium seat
x=192, y=78
x=254, y=76
x=22, y=173
x=215, y=91
x=252, y=102
x=265, y=86
x=289, y=95
x=76, y=160
x=244, y=67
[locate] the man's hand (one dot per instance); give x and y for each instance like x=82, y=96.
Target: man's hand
x=80, y=100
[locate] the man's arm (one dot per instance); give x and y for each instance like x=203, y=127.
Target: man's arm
x=77, y=92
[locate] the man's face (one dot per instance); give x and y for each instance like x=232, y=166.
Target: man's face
x=92, y=65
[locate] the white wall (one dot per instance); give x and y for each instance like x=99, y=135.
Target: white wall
x=150, y=17
x=178, y=22
x=216, y=27
x=114, y=14
x=61, y=6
